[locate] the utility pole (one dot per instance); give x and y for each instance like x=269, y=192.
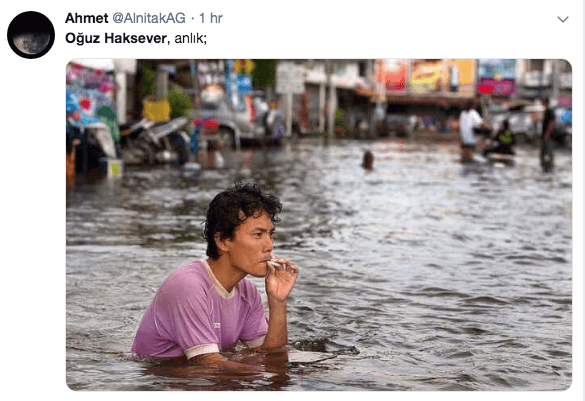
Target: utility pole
x=556, y=76
x=195, y=77
x=137, y=95
x=330, y=69
x=322, y=88
x=290, y=80
x=161, y=83
x=381, y=98
x=289, y=111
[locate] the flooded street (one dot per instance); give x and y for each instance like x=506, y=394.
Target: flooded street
x=422, y=274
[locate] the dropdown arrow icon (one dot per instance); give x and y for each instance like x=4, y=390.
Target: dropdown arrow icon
x=563, y=20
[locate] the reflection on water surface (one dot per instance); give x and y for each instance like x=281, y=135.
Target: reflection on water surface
x=422, y=274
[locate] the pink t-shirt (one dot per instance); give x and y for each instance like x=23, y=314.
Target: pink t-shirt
x=192, y=314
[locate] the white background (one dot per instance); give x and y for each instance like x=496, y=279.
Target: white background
x=33, y=101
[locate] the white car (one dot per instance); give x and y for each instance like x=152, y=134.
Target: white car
x=235, y=125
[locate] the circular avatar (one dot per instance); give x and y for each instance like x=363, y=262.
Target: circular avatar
x=31, y=34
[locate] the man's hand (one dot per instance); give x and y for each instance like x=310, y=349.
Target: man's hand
x=223, y=363
x=280, y=279
x=279, y=282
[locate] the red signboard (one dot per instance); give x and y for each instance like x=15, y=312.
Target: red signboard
x=392, y=73
x=505, y=87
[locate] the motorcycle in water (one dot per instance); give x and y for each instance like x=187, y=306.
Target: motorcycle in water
x=92, y=141
x=147, y=142
x=500, y=145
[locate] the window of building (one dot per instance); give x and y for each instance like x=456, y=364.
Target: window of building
x=565, y=67
x=536, y=65
x=361, y=68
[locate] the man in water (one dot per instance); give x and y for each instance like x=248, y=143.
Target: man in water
x=368, y=160
x=468, y=121
x=208, y=306
x=548, y=126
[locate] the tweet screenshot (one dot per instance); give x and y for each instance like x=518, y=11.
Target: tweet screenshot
x=301, y=196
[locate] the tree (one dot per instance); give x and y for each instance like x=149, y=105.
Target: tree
x=264, y=73
x=148, y=78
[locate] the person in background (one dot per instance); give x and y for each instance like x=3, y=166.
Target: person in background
x=548, y=125
x=468, y=121
x=368, y=161
x=502, y=141
x=453, y=78
x=208, y=306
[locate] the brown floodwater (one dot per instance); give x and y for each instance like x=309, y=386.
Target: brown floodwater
x=422, y=274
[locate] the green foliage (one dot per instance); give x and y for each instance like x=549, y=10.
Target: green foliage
x=342, y=125
x=181, y=104
x=148, y=78
x=339, y=117
x=264, y=73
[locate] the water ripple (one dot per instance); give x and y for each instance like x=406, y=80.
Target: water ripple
x=419, y=275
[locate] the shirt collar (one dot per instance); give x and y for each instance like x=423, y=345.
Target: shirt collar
x=219, y=288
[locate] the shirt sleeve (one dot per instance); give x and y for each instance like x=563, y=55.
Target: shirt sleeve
x=476, y=119
x=256, y=323
x=187, y=317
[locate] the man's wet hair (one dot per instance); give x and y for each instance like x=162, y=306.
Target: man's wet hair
x=231, y=208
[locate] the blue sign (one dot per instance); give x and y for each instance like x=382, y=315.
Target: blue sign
x=498, y=69
x=244, y=84
x=229, y=67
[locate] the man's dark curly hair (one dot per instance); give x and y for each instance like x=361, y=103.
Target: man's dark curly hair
x=223, y=215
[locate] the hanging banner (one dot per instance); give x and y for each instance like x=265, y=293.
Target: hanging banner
x=497, y=77
x=229, y=80
x=426, y=76
x=392, y=74
x=244, y=87
x=244, y=83
x=243, y=66
x=94, y=92
x=89, y=78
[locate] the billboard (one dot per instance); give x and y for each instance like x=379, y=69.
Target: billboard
x=392, y=74
x=459, y=76
x=496, y=77
x=426, y=75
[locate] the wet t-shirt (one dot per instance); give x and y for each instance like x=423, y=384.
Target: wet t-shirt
x=468, y=120
x=192, y=314
x=549, y=115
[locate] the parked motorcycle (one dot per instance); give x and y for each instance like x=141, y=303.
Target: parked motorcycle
x=91, y=141
x=147, y=142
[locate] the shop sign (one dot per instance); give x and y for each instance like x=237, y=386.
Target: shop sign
x=497, y=77
x=426, y=76
x=391, y=73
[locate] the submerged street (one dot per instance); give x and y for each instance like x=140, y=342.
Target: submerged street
x=422, y=274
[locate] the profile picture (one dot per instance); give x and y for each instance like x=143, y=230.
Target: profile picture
x=31, y=35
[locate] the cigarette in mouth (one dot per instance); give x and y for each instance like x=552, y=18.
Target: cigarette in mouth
x=277, y=266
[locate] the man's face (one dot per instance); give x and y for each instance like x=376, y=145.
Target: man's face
x=252, y=245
